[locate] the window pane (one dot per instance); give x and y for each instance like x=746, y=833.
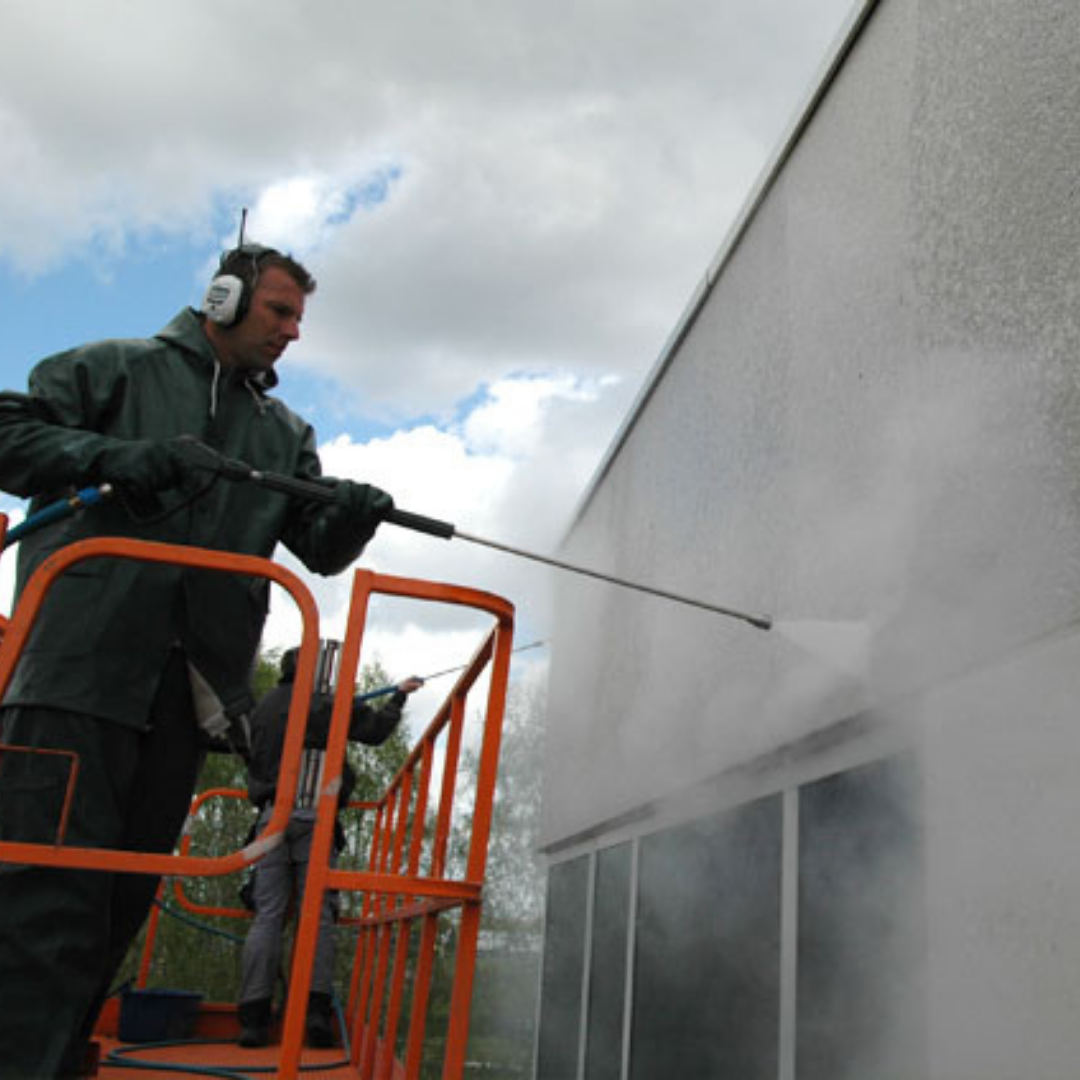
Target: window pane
x=860, y=903
x=607, y=978
x=706, y=974
x=564, y=955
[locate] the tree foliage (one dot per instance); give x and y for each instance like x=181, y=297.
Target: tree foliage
x=514, y=890
x=507, y=975
x=508, y=957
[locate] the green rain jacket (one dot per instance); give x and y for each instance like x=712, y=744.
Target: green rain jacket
x=103, y=636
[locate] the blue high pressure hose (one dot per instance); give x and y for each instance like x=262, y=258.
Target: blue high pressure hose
x=57, y=511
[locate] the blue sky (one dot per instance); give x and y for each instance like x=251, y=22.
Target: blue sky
x=76, y=302
x=505, y=217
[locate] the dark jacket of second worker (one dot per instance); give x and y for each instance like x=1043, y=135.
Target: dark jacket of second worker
x=271, y=718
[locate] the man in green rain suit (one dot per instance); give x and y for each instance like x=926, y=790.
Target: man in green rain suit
x=126, y=655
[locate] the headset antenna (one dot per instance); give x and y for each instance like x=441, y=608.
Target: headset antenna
x=243, y=222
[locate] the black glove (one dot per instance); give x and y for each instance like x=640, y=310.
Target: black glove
x=363, y=504
x=345, y=525
x=140, y=467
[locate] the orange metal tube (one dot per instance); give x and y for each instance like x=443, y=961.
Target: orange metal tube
x=452, y=719
x=366, y=944
x=489, y=760
x=457, y=1031
x=194, y=907
x=419, y=908
x=382, y=916
x=394, y=900
x=461, y=997
x=397, y=975
x=381, y=942
x=307, y=929
x=14, y=641
x=384, y=1062
x=420, y=811
x=425, y=967
x=449, y=786
x=409, y=912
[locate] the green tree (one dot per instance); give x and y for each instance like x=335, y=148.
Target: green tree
x=514, y=893
x=508, y=959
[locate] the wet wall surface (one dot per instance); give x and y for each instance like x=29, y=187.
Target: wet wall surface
x=872, y=424
x=872, y=421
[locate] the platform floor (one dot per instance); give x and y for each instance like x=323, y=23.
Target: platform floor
x=212, y=1050
x=214, y=1055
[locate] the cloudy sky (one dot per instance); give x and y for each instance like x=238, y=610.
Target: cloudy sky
x=507, y=206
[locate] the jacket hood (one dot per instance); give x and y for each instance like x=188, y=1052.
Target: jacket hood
x=185, y=331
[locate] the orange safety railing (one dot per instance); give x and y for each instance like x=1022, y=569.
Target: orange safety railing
x=197, y=907
x=14, y=640
x=402, y=893
x=411, y=880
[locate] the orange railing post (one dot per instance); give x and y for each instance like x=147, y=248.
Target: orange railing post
x=397, y=893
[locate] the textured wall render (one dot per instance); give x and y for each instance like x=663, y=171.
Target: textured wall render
x=872, y=419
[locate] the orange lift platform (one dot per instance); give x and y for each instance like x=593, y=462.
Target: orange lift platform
x=410, y=883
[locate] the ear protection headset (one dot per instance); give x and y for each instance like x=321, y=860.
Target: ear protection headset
x=228, y=296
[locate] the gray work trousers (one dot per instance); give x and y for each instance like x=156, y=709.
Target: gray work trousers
x=279, y=883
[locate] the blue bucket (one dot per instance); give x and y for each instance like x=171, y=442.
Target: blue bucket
x=158, y=1015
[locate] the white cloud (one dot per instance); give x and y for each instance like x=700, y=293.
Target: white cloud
x=510, y=418
x=506, y=205
x=566, y=170
x=302, y=213
x=15, y=514
x=495, y=475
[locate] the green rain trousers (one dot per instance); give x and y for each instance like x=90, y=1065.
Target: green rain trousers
x=64, y=933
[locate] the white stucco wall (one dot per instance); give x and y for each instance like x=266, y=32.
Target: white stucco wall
x=873, y=420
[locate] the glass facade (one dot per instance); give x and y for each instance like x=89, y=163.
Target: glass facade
x=690, y=935
x=607, y=969
x=706, y=985
x=564, y=959
x=860, y=884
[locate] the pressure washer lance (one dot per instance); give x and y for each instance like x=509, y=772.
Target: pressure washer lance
x=384, y=690
x=206, y=457
x=288, y=485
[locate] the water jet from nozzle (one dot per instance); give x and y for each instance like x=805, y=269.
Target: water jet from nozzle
x=843, y=646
